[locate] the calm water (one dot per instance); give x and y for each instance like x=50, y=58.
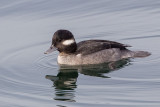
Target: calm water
x=28, y=78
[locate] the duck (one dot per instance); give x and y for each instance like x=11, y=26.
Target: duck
x=88, y=52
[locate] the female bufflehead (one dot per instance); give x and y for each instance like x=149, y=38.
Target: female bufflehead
x=89, y=51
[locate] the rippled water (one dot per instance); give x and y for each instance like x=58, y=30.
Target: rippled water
x=29, y=78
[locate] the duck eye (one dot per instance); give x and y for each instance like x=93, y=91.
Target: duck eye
x=59, y=40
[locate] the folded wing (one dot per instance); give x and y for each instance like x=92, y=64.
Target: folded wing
x=92, y=46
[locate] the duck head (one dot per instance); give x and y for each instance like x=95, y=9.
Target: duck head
x=63, y=41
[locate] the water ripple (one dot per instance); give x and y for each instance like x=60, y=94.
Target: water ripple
x=142, y=37
x=46, y=62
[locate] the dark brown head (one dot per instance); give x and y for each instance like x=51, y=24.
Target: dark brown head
x=63, y=41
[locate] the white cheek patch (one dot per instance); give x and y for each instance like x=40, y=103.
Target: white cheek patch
x=68, y=42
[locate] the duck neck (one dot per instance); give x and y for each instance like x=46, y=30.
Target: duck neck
x=69, y=49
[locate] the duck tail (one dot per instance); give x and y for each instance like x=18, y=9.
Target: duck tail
x=139, y=54
x=134, y=54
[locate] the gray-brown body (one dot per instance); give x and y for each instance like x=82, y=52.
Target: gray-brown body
x=107, y=55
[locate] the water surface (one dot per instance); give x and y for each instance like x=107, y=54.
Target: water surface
x=29, y=78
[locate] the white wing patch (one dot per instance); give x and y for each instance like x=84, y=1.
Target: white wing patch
x=68, y=42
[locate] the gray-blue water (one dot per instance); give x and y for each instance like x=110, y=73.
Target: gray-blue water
x=28, y=78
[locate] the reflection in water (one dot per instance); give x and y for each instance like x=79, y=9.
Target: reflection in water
x=65, y=81
x=100, y=69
